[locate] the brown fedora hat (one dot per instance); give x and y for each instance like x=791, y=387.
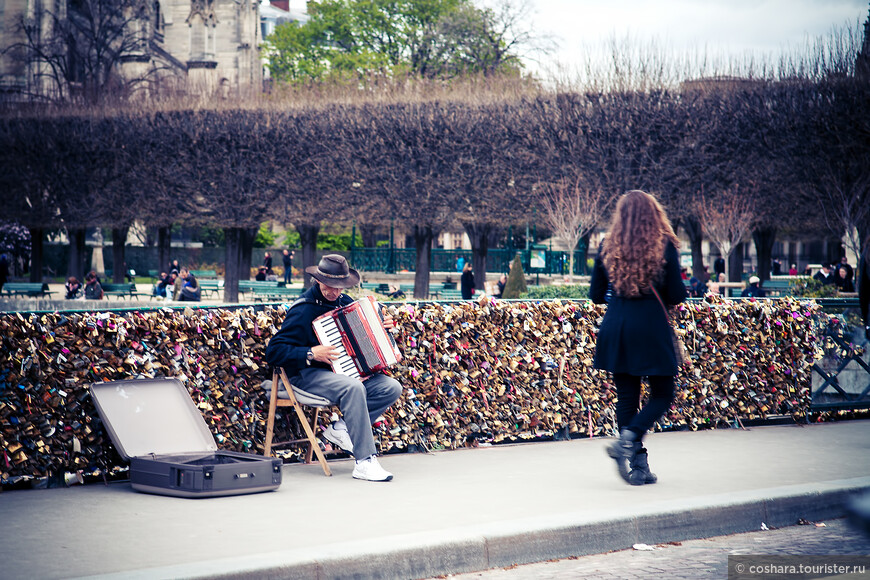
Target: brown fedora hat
x=334, y=272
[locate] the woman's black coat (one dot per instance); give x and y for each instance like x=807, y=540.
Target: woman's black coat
x=635, y=337
x=466, y=284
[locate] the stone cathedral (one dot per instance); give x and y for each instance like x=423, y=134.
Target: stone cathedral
x=205, y=47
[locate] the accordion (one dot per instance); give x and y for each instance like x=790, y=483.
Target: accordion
x=358, y=332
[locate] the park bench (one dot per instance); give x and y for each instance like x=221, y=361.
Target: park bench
x=35, y=289
x=125, y=290
x=210, y=287
x=248, y=286
x=204, y=273
x=275, y=293
x=451, y=294
x=776, y=287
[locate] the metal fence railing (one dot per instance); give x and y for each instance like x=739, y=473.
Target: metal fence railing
x=535, y=261
x=841, y=377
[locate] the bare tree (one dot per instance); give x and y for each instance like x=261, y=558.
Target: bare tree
x=833, y=157
x=727, y=218
x=76, y=51
x=573, y=211
x=411, y=156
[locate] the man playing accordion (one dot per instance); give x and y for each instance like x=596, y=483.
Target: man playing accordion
x=296, y=348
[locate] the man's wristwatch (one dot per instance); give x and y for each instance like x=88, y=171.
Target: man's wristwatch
x=309, y=356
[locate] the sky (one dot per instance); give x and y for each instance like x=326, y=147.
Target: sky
x=716, y=26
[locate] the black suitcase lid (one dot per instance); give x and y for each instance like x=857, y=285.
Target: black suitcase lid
x=151, y=416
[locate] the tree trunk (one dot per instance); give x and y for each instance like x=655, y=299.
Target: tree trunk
x=246, y=239
x=233, y=258
x=764, y=238
x=119, y=260
x=584, y=254
x=735, y=264
x=423, y=236
x=695, y=232
x=864, y=239
x=482, y=236
x=77, y=264
x=36, y=255
x=308, y=241
x=369, y=235
x=164, y=247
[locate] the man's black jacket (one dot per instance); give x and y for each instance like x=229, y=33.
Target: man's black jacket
x=290, y=345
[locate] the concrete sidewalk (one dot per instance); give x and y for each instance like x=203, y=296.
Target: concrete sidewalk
x=445, y=512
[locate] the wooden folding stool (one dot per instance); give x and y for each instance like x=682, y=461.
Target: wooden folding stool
x=296, y=398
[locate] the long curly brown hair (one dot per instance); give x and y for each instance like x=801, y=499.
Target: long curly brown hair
x=634, y=249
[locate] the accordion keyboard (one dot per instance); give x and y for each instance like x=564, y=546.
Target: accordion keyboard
x=328, y=333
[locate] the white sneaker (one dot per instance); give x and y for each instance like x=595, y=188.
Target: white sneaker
x=337, y=434
x=370, y=470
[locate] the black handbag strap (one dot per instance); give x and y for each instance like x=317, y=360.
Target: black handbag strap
x=659, y=298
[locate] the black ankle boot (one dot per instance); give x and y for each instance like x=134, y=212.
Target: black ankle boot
x=623, y=450
x=640, y=473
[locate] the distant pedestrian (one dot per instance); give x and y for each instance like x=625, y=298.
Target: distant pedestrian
x=843, y=279
x=287, y=258
x=825, y=275
x=93, y=288
x=466, y=282
x=697, y=288
x=165, y=285
x=717, y=286
x=502, y=282
x=460, y=264
x=174, y=267
x=157, y=289
x=719, y=266
x=72, y=287
x=267, y=262
x=190, y=291
x=793, y=271
x=639, y=261
x=753, y=290
x=844, y=263
x=178, y=284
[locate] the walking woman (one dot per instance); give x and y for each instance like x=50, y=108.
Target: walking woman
x=466, y=281
x=637, y=273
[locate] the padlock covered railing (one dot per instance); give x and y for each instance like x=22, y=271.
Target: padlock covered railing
x=473, y=373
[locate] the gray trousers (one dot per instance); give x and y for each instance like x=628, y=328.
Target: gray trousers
x=361, y=402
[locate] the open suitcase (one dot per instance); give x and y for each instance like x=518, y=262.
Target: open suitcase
x=154, y=424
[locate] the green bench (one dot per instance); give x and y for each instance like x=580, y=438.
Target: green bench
x=204, y=274
x=777, y=287
x=450, y=295
x=33, y=289
x=210, y=287
x=275, y=293
x=248, y=286
x=125, y=290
